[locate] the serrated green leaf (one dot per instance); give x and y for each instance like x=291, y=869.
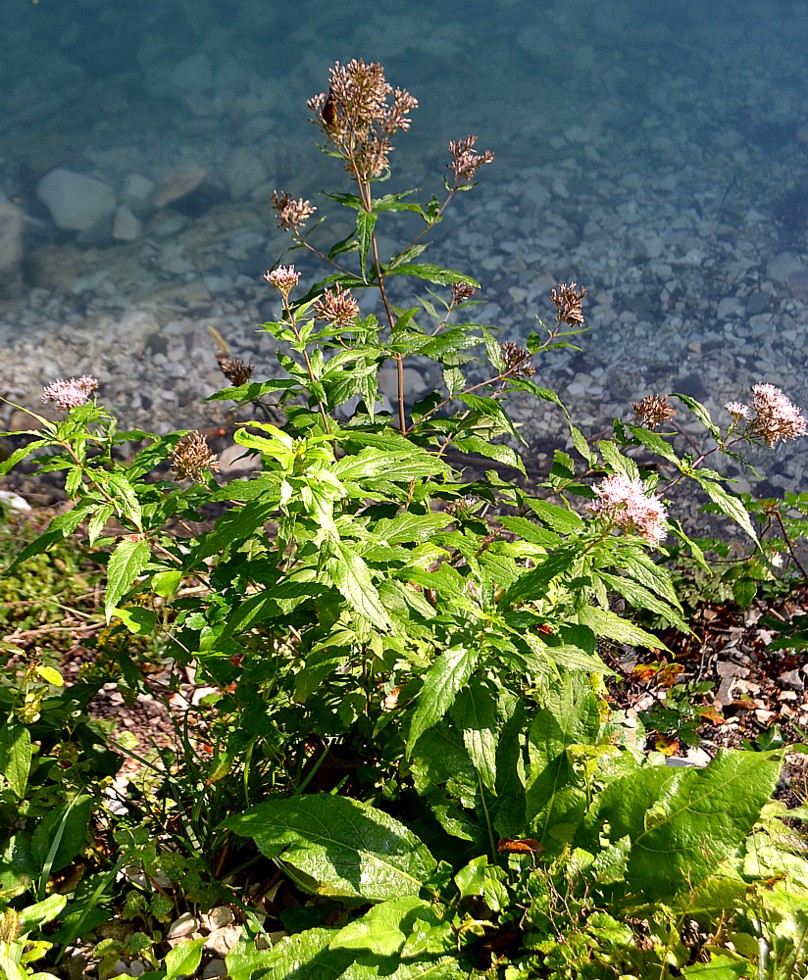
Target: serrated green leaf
x=166, y=583
x=482, y=447
x=580, y=443
x=442, y=682
x=654, y=442
x=409, y=528
x=98, y=521
x=350, y=848
x=642, y=598
x=434, y=274
x=720, y=967
x=126, y=562
x=138, y=620
x=533, y=584
x=352, y=578
x=729, y=505
x=554, y=516
x=701, y=414
x=474, y=712
x=605, y=623
x=365, y=223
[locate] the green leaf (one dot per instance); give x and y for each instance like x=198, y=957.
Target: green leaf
x=684, y=822
x=409, y=528
x=721, y=967
x=234, y=527
x=166, y=583
x=569, y=716
x=701, y=414
x=443, y=681
x=728, y=504
x=554, y=516
x=15, y=756
x=184, y=959
x=126, y=562
x=50, y=675
x=35, y=916
x=365, y=223
x=642, y=598
x=474, y=712
x=351, y=577
x=350, y=848
x=384, y=929
x=605, y=623
x=534, y=583
x=434, y=274
x=139, y=621
x=580, y=443
x=491, y=450
x=654, y=442
x=61, y=833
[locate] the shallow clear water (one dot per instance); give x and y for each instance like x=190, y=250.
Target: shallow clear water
x=655, y=151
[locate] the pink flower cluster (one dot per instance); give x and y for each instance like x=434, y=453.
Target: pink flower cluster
x=772, y=416
x=70, y=394
x=284, y=279
x=624, y=503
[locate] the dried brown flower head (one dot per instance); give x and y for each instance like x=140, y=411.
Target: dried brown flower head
x=466, y=161
x=461, y=291
x=653, y=410
x=358, y=118
x=235, y=369
x=569, y=304
x=336, y=305
x=292, y=214
x=192, y=458
x=517, y=360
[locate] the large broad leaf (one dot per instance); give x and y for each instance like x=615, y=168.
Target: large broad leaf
x=384, y=929
x=434, y=274
x=349, y=848
x=306, y=956
x=684, y=822
x=443, y=681
x=535, y=582
x=126, y=562
x=184, y=959
x=475, y=714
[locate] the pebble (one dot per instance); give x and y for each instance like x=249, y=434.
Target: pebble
x=183, y=926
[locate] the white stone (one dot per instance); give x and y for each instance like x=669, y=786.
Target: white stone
x=14, y=501
x=183, y=926
x=178, y=184
x=125, y=226
x=76, y=202
x=137, y=190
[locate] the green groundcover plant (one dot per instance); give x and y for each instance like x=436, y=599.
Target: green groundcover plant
x=407, y=764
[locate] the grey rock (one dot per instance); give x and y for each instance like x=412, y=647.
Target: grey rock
x=76, y=202
x=125, y=226
x=11, y=222
x=243, y=173
x=137, y=190
x=792, y=679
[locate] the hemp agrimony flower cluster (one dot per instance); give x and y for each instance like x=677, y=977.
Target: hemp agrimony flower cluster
x=71, y=393
x=772, y=416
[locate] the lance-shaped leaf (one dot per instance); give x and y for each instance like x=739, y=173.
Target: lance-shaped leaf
x=442, y=682
x=126, y=562
x=351, y=576
x=348, y=848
